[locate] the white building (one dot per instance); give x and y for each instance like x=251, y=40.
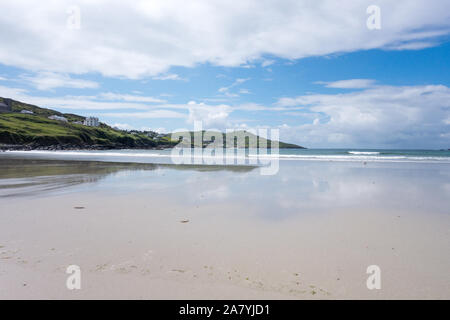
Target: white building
x=91, y=122
x=55, y=117
x=26, y=112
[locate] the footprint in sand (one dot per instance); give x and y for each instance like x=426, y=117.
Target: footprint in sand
x=178, y=270
x=101, y=267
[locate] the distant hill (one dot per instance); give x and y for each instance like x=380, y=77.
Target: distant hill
x=35, y=130
x=239, y=138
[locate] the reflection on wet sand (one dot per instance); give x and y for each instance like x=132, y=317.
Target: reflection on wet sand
x=175, y=232
x=19, y=177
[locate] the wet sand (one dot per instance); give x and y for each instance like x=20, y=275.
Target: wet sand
x=308, y=232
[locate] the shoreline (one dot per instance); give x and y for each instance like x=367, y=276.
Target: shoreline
x=237, y=156
x=6, y=147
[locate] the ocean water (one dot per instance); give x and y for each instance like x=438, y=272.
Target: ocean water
x=242, y=156
x=395, y=155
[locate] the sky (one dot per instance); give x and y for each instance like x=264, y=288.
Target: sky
x=327, y=74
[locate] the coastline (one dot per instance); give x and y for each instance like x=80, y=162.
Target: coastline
x=71, y=147
x=11, y=147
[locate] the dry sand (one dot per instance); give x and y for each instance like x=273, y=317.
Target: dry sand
x=135, y=246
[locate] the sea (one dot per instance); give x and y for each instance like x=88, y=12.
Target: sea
x=243, y=156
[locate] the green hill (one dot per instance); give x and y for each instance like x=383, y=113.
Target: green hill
x=240, y=139
x=36, y=131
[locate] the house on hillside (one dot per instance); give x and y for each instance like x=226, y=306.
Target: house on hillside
x=4, y=108
x=91, y=122
x=55, y=117
x=26, y=112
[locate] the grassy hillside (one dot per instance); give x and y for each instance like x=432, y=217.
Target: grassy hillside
x=241, y=139
x=37, y=131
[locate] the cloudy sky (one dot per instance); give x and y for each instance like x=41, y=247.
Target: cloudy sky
x=326, y=73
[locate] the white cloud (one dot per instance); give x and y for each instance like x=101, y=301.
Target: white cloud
x=126, y=126
x=418, y=45
x=349, y=84
x=158, y=130
x=128, y=97
x=267, y=63
x=239, y=81
x=122, y=126
x=226, y=90
x=171, y=76
x=7, y=92
x=211, y=116
x=151, y=114
x=258, y=107
x=137, y=108
x=94, y=102
x=134, y=39
x=51, y=80
x=382, y=116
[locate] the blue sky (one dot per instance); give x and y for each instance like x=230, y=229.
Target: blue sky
x=324, y=82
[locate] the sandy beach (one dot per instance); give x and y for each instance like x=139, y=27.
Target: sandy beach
x=166, y=232
x=226, y=151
